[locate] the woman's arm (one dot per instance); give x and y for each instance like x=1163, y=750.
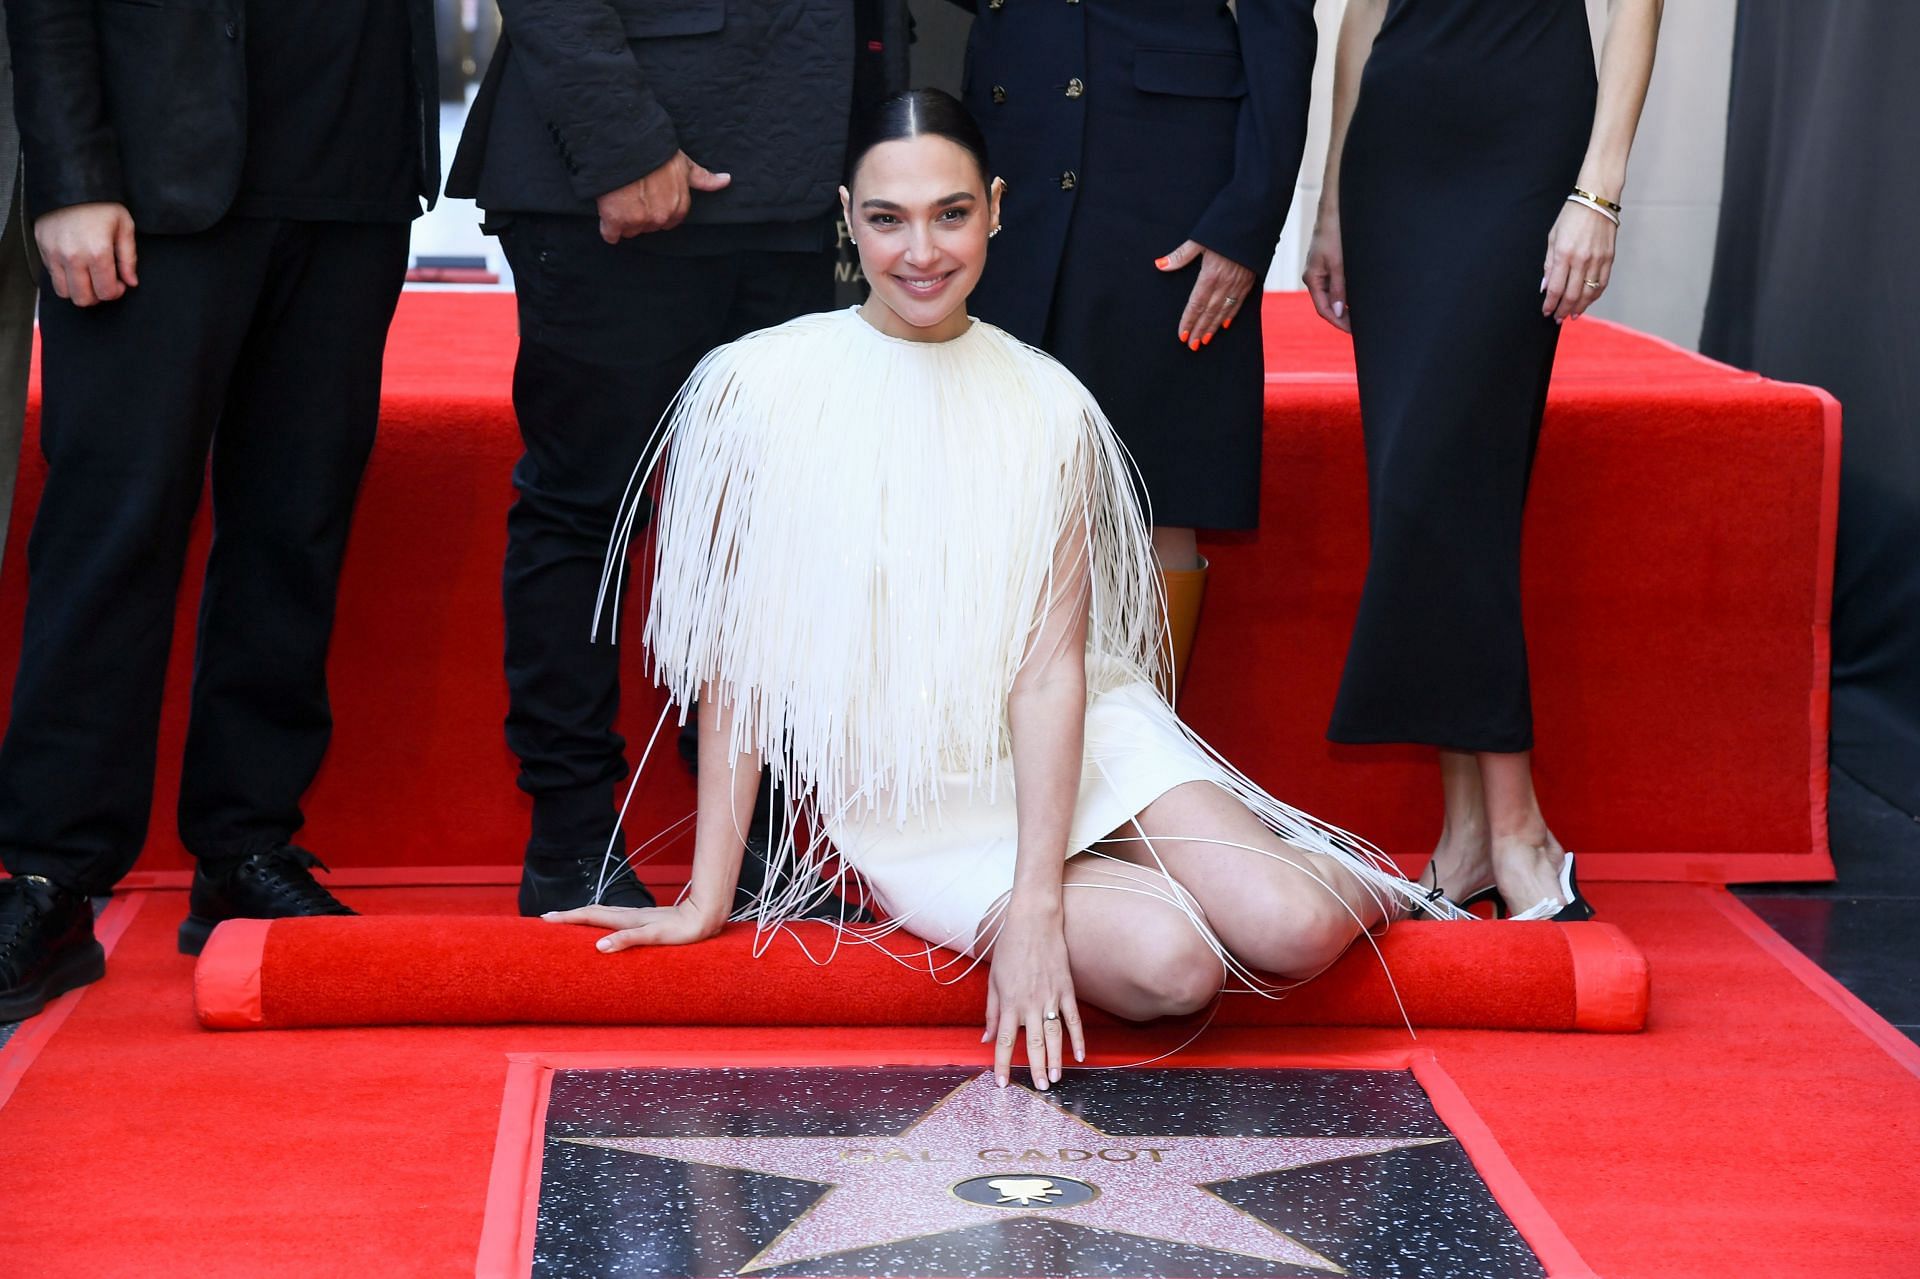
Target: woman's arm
x=727, y=787
x=1235, y=237
x=1326, y=273
x=1047, y=715
x=1581, y=247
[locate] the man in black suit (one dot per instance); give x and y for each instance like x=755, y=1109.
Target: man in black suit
x=662, y=178
x=221, y=192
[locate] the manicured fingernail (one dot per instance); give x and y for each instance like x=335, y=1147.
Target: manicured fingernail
x=1227, y=323
x=1207, y=340
x=1339, y=309
x=1543, y=284
x=1183, y=335
x=1054, y=1074
x=1194, y=345
x=1000, y=1080
x=1079, y=1054
x=1161, y=263
x=604, y=943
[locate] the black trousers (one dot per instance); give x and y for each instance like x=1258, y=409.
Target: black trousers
x=607, y=335
x=258, y=342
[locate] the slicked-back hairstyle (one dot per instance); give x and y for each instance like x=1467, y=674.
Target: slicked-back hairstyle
x=912, y=114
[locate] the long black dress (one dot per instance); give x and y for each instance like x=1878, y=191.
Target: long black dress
x=1471, y=123
x=1124, y=128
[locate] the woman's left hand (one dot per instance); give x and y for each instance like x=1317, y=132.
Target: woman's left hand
x=1579, y=262
x=1222, y=289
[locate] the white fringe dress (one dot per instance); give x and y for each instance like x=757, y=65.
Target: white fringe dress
x=855, y=542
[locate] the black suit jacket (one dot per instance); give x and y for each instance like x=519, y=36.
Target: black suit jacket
x=144, y=103
x=586, y=96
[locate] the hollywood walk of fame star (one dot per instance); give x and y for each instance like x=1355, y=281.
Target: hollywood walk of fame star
x=892, y=1189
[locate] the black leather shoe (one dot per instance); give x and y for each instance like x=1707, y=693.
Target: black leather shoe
x=46, y=945
x=275, y=884
x=564, y=883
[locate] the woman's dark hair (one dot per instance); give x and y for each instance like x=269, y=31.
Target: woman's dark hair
x=913, y=114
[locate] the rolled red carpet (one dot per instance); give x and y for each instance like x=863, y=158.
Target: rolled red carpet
x=475, y=970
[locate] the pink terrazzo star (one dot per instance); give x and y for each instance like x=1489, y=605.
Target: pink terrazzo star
x=891, y=1189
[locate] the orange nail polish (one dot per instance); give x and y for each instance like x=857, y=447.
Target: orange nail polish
x=1183, y=335
x=1207, y=340
x=1161, y=263
x=1227, y=323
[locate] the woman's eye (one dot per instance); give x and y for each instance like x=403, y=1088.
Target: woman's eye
x=953, y=215
x=882, y=219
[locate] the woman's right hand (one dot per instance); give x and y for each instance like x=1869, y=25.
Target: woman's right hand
x=674, y=925
x=1326, y=273
x=1029, y=980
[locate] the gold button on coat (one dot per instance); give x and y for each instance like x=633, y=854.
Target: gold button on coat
x=1069, y=180
x=1076, y=87
x=999, y=93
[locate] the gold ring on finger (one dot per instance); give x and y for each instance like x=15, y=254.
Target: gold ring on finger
x=1593, y=284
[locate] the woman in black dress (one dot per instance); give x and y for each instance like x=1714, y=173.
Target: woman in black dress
x=1471, y=143
x=1149, y=149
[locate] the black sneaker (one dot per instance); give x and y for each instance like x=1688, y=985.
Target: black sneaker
x=46, y=945
x=275, y=884
x=565, y=883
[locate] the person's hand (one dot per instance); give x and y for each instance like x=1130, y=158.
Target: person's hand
x=1222, y=288
x=1579, y=262
x=657, y=202
x=89, y=251
x=1326, y=273
x=642, y=926
x=1028, y=981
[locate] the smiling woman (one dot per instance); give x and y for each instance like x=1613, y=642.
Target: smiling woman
x=901, y=565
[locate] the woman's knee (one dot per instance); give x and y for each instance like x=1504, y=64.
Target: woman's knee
x=1306, y=930
x=1174, y=972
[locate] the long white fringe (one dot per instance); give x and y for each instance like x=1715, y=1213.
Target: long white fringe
x=855, y=541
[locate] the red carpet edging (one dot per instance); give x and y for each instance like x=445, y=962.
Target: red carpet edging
x=468, y=970
x=1818, y=980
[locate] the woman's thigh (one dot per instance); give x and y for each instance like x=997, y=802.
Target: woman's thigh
x=1276, y=906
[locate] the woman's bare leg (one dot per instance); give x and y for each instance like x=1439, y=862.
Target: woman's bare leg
x=1176, y=548
x=1131, y=950
x=1462, y=862
x=1277, y=907
x=1525, y=856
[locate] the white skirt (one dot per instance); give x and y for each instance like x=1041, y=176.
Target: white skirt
x=939, y=875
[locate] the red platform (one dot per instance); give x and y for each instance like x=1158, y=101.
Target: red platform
x=1678, y=570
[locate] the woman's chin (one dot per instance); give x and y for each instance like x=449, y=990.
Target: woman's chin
x=928, y=315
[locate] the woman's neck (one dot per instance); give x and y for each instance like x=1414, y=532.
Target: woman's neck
x=889, y=321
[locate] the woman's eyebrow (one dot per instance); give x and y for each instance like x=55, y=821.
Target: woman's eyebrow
x=888, y=206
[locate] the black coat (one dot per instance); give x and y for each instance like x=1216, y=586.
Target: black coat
x=144, y=103
x=1124, y=128
x=1210, y=112
x=586, y=96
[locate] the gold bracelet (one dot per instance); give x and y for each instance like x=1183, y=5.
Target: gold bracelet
x=1600, y=200
x=1588, y=202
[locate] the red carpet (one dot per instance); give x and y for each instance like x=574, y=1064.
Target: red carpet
x=449, y=970
x=1677, y=564
x=1754, y=1129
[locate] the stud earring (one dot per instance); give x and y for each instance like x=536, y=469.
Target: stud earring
x=992, y=233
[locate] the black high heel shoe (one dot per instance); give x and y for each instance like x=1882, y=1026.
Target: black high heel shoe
x=1574, y=905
